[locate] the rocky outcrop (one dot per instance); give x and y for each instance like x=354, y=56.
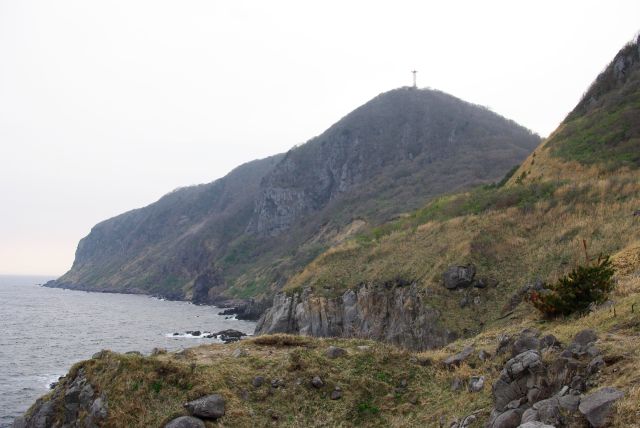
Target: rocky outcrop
x=74, y=402
x=399, y=134
x=551, y=391
x=399, y=315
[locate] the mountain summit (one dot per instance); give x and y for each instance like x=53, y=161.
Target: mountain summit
x=225, y=239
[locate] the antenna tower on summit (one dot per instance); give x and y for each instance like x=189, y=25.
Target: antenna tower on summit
x=415, y=85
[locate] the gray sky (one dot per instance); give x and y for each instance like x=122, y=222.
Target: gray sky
x=107, y=105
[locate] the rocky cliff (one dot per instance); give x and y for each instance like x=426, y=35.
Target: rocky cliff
x=225, y=240
x=585, y=176
x=398, y=314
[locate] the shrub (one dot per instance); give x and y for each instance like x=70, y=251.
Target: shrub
x=576, y=291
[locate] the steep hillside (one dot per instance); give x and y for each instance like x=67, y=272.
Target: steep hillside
x=530, y=227
x=225, y=239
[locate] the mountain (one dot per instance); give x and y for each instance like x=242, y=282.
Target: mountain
x=457, y=266
x=244, y=235
x=577, y=195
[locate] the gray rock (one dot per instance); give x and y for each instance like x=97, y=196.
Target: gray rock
x=335, y=352
x=99, y=408
x=401, y=315
x=549, y=341
x=19, y=422
x=530, y=415
x=43, y=415
x=509, y=419
x=86, y=396
x=257, y=381
x=517, y=378
x=549, y=412
x=524, y=342
x=185, y=422
x=476, y=383
x=459, y=276
x=336, y=394
x=535, y=424
x=504, y=342
x=595, y=365
x=597, y=407
x=585, y=337
x=210, y=406
x=457, y=359
x=316, y=382
x=569, y=402
x=100, y=354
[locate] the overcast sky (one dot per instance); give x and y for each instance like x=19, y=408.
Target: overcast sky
x=107, y=105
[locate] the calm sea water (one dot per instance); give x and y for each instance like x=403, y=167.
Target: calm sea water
x=44, y=331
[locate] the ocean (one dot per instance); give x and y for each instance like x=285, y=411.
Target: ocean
x=44, y=331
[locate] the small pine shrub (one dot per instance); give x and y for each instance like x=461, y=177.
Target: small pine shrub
x=576, y=291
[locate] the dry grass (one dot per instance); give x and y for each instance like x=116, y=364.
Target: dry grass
x=515, y=245
x=149, y=391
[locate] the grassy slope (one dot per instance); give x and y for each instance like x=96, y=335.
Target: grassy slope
x=149, y=391
x=582, y=183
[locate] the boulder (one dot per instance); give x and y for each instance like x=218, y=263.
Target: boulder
x=535, y=424
x=476, y=383
x=517, y=378
x=525, y=342
x=597, y=407
x=457, y=359
x=257, y=381
x=19, y=422
x=210, y=406
x=316, y=382
x=335, y=352
x=336, y=394
x=595, y=365
x=585, y=337
x=509, y=419
x=185, y=422
x=459, y=276
x=549, y=341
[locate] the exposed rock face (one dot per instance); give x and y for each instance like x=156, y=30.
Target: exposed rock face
x=550, y=392
x=74, y=402
x=399, y=315
x=389, y=156
x=408, y=131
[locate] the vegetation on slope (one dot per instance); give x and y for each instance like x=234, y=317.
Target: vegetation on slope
x=227, y=238
x=528, y=227
x=381, y=385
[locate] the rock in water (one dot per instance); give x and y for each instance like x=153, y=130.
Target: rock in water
x=210, y=406
x=597, y=407
x=185, y=422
